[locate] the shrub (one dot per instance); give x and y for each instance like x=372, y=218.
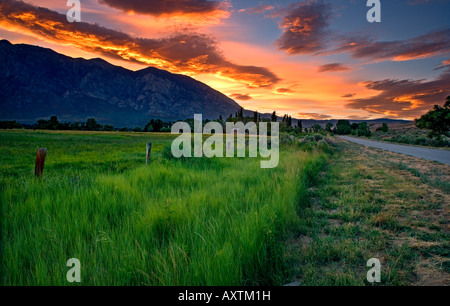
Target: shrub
x=343, y=127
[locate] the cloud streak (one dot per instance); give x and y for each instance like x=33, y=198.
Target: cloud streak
x=314, y=116
x=242, y=97
x=404, y=98
x=428, y=45
x=170, y=7
x=260, y=9
x=187, y=53
x=333, y=67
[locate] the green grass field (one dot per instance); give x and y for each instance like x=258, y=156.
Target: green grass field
x=219, y=221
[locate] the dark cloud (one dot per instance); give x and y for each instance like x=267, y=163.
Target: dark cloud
x=314, y=116
x=284, y=90
x=351, y=95
x=305, y=27
x=404, y=98
x=334, y=67
x=242, y=97
x=166, y=7
x=188, y=53
x=428, y=45
x=306, y=31
x=258, y=9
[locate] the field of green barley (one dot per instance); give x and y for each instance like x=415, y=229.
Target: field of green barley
x=220, y=221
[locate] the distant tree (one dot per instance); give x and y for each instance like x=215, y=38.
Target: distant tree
x=328, y=127
x=385, y=128
x=108, y=127
x=92, y=125
x=220, y=118
x=148, y=127
x=274, y=117
x=343, y=127
x=316, y=128
x=363, y=130
x=157, y=125
x=137, y=129
x=239, y=114
x=437, y=120
x=75, y=126
x=300, y=125
x=166, y=130
x=53, y=123
x=124, y=129
x=10, y=125
x=255, y=117
x=354, y=126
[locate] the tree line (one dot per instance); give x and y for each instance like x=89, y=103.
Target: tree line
x=436, y=121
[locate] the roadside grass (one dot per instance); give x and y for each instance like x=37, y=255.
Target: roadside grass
x=411, y=135
x=217, y=221
x=365, y=207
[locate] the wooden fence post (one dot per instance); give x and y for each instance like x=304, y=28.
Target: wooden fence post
x=149, y=152
x=40, y=161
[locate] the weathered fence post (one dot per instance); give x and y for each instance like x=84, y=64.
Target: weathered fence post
x=149, y=152
x=40, y=161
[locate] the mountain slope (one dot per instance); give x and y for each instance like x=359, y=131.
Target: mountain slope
x=36, y=82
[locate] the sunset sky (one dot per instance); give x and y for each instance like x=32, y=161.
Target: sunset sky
x=310, y=59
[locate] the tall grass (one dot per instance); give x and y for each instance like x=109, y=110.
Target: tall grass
x=206, y=222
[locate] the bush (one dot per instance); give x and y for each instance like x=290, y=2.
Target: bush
x=343, y=127
x=10, y=125
x=437, y=120
x=166, y=130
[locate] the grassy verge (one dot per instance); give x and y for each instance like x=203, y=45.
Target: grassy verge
x=411, y=135
x=374, y=204
x=192, y=222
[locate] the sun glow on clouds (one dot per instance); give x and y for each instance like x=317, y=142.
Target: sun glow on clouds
x=188, y=53
x=182, y=37
x=305, y=89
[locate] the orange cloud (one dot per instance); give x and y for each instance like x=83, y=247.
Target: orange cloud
x=302, y=89
x=404, y=98
x=188, y=53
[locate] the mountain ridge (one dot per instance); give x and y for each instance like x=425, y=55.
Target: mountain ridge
x=37, y=82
